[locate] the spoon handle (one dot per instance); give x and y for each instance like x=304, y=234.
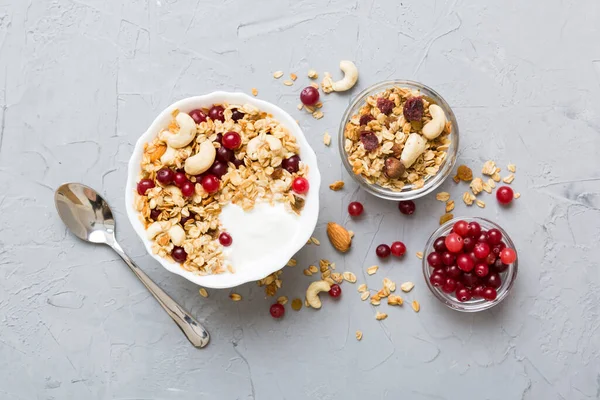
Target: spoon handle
x=191, y=328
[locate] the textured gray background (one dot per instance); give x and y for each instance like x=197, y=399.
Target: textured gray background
x=81, y=79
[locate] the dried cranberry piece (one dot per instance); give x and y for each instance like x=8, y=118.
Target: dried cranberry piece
x=369, y=140
x=366, y=118
x=413, y=109
x=385, y=105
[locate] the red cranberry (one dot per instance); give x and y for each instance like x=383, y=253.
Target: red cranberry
x=369, y=140
x=505, y=195
x=439, y=271
x=439, y=245
x=469, y=279
x=437, y=280
x=355, y=208
x=461, y=228
x=448, y=258
x=449, y=285
x=210, y=183
x=385, y=105
x=291, y=164
x=407, y=207
x=481, y=250
x=236, y=114
x=165, y=176
x=465, y=262
x=365, y=119
x=224, y=154
x=499, y=266
x=218, y=169
x=198, y=116
x=219, y=138
x=398, y=249
x=463, y=294
x=478, y=291
x=435, y=259
x=179, y=254
x=453, y=271
x=454, y=242
x=383, y=251
x=490, y=259
x=495, y=236
x=413, y=109
x=225, y=239
x=144, y=185
x=277, y=310
x=232, y=140
x=493, y=280
x=216, y=113
x=508, y=256
x=481, y=269
x=300, y=185
x=474, y=229
x=468, y=243
x=309, y=96
x=154, y=214
x=335, y=290
x=483, y=237
x=188, y=189
x=496, y=249
x=489, y=293
x=237, y=163
x=179, y=179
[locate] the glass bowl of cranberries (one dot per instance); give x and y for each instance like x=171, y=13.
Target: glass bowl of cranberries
x=387, y=146
x=470, y=264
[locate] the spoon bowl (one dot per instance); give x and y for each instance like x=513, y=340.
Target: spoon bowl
x=89, y=217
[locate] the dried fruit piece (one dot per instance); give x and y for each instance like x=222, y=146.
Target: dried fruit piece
x=380, y=316
x=442, y=196
x=337, y=185
x=339, y=237
x=464, y=173
x=296, y=304
x=359, y=335
x=365, y=119
x=413, y=109
x=443, y=219
x=369, y=140
x=407, y=286
x=385, y=105
x=371, y=270
x=416, y=306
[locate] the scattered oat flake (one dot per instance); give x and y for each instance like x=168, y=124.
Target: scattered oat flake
x=380, y=316
x=372, y=270
x=288, y=83
x=443, y=219
x=299, y=106
x=235, y=297
x=476, y=185
x=312, y=74
x=255, y=92
x=394, y=300
x=420, y=255
x=315, y=85
x=306, y=272
x=277, y=74
x=389, y=284
x=296, y=304
x=415, y=306
x=337, y=185
x=292, y=263
x=349, y=276
x=509, y=178
x=407, y=286
x=449, y=205
x=282, y=300
x=351, y=233
x=362, y=288
x=317, y=115
x=203, y=292
x=464, y=173
x=512, y=168
x=293, y=76
x=313, y=269
x=375, y=301
x=489, y=168
x=487, y=188
x=480, y=203
x=327, y=139
x=364, y=295
x=442, y=196
x=491, y=183
x=496, y=177
x=315, y=241
x=468, y=198
x=517, y=195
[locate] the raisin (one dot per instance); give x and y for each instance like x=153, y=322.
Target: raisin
x=369, y=140
x=413, y=109
x=366, y=118
x=464, y=173
x=385, y=105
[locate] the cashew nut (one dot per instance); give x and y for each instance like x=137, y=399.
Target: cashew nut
x=433, y=128
x=177, y=234
x=255, y=144
x=413, y=148
x=155, y=228
x=187, y=132
x=349, y=79
x=312, y=293
x=202, y=161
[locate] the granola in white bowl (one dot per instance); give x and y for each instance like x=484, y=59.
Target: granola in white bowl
x=242, y=151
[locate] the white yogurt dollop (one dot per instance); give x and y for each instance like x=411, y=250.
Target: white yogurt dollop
x=257, y=233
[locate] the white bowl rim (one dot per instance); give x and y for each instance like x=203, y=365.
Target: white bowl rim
x=310, y=213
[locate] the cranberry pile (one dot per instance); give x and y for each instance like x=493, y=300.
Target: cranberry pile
x=470, y=262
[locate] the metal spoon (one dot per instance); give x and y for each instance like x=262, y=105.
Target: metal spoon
x=89, y=217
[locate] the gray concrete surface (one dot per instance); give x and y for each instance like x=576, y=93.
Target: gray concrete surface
x=81, y=79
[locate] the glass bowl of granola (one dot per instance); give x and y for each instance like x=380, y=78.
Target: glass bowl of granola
x=399, y=140
x=223, y=189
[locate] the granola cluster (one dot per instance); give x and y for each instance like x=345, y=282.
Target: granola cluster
x=376, y=136
x=249, y=178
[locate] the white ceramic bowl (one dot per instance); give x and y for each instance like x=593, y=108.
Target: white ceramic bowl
x=279, y=257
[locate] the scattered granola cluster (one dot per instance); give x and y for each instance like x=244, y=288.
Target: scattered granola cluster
x=391, y=141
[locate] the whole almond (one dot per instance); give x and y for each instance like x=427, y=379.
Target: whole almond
x=339, y=237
